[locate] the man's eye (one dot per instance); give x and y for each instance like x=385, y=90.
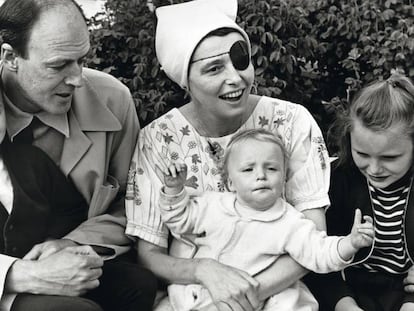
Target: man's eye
x=58, y=66
x=249, y=169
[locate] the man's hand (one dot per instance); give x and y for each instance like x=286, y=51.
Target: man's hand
x=230, y=288
x=69, y=272
x=45, y=249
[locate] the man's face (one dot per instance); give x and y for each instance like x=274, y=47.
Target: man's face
x=52, y=70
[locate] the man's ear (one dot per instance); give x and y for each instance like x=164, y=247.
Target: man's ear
x=9, y=57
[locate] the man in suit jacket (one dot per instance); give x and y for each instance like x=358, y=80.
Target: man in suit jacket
x=86, y=122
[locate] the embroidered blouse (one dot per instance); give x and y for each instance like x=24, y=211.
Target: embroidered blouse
x=172, y=137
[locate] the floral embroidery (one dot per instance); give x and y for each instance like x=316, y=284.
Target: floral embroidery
x=163, y=126
x=278, y=122
x=174, y=156
x=195, y=158
x=321, y=150
x=263, y=121
x=192, y=144
x=194, y=168
x=221, y=186
x=185, y=130
x=168, y=138
x=140, y=171
x=129, y=195
x=192, y=182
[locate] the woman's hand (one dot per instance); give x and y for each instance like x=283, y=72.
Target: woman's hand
x=409, y=281
x=347, y=304
x=230, y=288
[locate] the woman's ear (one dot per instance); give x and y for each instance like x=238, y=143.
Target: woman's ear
x=9, y=57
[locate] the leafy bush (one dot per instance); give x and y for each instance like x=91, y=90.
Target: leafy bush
x=313, y=52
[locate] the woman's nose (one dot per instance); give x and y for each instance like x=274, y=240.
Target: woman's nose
x=232, y=75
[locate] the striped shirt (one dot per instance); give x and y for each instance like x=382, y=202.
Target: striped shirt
x=389, y=206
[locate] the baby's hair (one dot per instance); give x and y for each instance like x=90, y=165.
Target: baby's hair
x=258, y=134
x=377, y=106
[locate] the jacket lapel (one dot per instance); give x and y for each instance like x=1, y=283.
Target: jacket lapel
x=88, y=114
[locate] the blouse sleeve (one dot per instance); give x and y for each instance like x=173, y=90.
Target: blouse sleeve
x=307, y=180
x=143, y=188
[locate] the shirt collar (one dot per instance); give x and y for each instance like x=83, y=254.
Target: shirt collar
x=17, y=120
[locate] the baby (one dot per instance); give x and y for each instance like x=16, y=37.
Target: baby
x=250, y=226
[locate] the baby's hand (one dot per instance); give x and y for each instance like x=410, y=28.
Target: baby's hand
x=175, y=176
x=362, y=234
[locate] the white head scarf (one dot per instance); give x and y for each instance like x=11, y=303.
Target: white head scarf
x=181, y=27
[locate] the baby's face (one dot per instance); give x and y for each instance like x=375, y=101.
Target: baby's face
x=256, y=173
x=2, y=123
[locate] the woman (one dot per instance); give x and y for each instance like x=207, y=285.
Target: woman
x=374, y=174
x=201, y=48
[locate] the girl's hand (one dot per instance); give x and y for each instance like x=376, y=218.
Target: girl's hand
x=362, y=234
x=409, y=281
x=408, y=306
x=174, y=178
x=230, y=288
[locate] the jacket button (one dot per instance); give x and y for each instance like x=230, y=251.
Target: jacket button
x=11, y=228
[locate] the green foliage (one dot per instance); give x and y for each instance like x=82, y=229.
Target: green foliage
x=313, y=52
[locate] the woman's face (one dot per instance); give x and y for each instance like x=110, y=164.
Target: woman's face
x=214, y=84
x=383, y=157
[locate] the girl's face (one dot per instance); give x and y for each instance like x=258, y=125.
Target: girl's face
x=215, y=85
x=383, y=157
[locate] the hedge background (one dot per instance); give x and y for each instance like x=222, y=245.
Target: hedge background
x=313, y=52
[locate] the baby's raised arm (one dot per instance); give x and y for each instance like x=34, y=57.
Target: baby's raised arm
x=174, y=178
x=362, y=235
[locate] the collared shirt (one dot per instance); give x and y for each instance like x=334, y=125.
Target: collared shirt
x=48, y=135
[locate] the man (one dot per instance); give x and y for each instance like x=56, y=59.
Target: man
x=86, y=122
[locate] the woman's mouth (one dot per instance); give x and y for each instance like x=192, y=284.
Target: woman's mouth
x=233, y=96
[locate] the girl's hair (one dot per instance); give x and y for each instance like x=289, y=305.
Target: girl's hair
x=258, y=134
x=377, y=106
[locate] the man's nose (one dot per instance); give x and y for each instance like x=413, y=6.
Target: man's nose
x=74, y=77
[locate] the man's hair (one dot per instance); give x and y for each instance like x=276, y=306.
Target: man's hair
x=257, y=134
x=17, y=18
x=378, y=106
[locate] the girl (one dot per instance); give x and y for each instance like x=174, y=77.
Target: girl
x=374, y=173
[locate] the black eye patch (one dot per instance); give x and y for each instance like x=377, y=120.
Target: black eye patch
x=239, y=55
